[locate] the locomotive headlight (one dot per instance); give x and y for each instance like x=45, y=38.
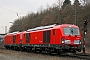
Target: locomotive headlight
x=67, y=42
x=62, y=41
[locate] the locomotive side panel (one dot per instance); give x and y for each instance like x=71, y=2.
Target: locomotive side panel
x=8, y=39
x=36, y=37
x=24, y=39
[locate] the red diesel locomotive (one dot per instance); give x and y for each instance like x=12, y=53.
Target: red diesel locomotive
x=52, y=38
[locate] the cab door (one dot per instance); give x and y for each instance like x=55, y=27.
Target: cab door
x=54, y=36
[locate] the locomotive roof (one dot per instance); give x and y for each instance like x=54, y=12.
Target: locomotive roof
x=13, y=33
x=51, y=26
x=42, y=27
x=69, y=25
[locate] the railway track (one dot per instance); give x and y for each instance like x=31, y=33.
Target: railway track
x=63, y=56
x=78, y=56
x=45, y=55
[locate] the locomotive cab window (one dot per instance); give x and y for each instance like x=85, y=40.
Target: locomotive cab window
x=73, y=31
x=27, y=38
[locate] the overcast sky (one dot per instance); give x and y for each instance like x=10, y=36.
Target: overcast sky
x=9, y=8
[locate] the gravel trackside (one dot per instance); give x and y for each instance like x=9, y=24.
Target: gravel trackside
x=18, y=55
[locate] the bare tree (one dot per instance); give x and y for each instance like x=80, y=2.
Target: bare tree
x=83, y=2
x=41, y=9
x=59, y=4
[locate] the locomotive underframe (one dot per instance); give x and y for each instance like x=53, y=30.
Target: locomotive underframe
x=45, y=47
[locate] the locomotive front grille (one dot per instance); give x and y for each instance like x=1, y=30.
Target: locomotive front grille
x=77, y=42
x=67, y=42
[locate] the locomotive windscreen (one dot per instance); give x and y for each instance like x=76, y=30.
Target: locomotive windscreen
x=73, y=31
